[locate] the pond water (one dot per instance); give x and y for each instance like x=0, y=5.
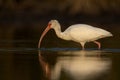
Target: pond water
x=59, y=64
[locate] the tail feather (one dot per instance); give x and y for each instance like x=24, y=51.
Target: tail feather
x=110, y=34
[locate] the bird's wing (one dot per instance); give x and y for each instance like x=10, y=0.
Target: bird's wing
x=86, y=33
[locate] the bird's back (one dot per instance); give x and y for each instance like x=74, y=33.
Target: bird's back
x=86, y=33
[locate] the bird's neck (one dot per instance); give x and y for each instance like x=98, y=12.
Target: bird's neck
x=60, y=34
x=58, y=31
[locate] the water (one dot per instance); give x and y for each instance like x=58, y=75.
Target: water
x=59, y=64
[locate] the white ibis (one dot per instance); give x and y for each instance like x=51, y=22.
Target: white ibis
x=80, y=33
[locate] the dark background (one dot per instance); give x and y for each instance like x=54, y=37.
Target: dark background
x=26, y=19
x=23, y=21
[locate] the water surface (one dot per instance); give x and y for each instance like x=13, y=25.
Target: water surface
x=59, y=64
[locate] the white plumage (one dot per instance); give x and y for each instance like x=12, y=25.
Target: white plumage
x=80, y=33
x=86, y=33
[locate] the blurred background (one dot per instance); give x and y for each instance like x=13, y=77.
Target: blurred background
x=26, y=19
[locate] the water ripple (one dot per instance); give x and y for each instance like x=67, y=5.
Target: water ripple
x=59, y=49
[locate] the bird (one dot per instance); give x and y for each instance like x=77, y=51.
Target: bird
x=80, y=33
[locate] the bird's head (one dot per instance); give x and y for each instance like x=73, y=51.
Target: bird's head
x=51, y=25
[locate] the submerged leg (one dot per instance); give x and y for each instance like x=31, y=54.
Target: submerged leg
x=98, y=43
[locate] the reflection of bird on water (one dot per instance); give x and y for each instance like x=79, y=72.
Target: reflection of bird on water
x=79, y=67
x=45, y=66
x=80, y=33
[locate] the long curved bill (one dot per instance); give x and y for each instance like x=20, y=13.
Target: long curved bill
x=43, y=34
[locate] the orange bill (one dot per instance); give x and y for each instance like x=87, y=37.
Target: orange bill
x=43, y=34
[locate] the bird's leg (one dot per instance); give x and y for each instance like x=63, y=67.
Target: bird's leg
x=98, y=43
x=83, y=45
